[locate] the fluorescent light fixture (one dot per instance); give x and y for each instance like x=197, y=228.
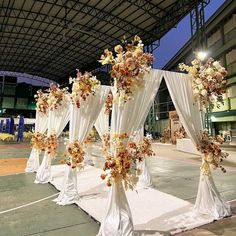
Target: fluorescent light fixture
x=201, y=55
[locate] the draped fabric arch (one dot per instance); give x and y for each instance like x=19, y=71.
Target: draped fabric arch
x=209, y=200
x=57, y=121
x=41, y=122
x=81, y=121
x=118, y=219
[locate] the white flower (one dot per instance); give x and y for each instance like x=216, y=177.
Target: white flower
x=204, y=92
x=195, y=91
x=200, y=87
x=193, y=71
x=216, y=64
x=198, y=81
x=209, y=71
x=195, y=62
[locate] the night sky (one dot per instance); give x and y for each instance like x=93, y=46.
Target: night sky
x=175, y=39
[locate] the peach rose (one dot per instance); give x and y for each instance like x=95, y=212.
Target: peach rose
x=118, y=49
x=130, y=63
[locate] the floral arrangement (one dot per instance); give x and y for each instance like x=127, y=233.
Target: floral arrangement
x=212, y=154
x=121, y=166
x=51, y=145
x=180, y=133
x=165, y=135
x=129, y=66
x=41, y=101
x=108, y=103
x=90, y=138
x=83, y=85
x=56, y=96
x=209, y=84
x=38, y=141
x=6, y=137
x=75, y=154
x=141, y=150
x=106, y=142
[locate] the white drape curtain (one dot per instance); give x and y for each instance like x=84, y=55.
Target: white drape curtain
x=209, y=200
x=102, y=122
x=81, y=121
x=41, y=121
x=127, y=118
x=57, y=121
x=144, y=180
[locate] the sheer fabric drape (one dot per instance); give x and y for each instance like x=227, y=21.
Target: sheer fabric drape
x=102, y=122
x=57, y=120
x=144, y=180
x=209, y=200
x=81, y=121
x=118, y=219
x=41, y=121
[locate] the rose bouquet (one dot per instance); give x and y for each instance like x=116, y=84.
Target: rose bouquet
x=75, y=154
x=209, y=84
x=51, y=144
x=83, y=85
x=38, y=141
x=129, y=66
x=121, y=166
x=212, y=155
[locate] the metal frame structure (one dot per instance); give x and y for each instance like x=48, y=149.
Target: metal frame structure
x=51, y=38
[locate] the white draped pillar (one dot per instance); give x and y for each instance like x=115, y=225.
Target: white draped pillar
x=81, y=121
x=57, y=121
x=209, y=200
x=41, y=121
x=127, y=118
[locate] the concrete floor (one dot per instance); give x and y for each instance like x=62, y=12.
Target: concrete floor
x=172, y=172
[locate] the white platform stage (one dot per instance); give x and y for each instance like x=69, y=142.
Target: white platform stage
x=154, y=212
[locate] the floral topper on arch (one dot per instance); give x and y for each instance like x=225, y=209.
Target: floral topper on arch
x=209, y=84
x=56, y=96
x=41, y=101
x=129, y=66
x=83, y=85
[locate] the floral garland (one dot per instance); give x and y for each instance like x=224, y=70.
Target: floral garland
x=128, y=67
x=56, y=96
x=122, y=165
x=41, y=101
x=209, y=84
x=51, y=144
x=212, y=154
x=75, y=155
x=83, y=85
x=108, y=103
x=38, y=141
